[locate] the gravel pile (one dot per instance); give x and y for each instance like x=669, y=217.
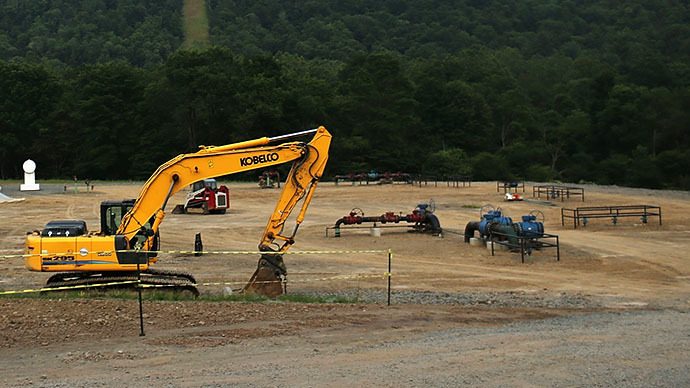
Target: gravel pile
x=499, y=299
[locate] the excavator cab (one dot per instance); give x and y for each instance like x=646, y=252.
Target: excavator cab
x=112, y=213
x=111, y=218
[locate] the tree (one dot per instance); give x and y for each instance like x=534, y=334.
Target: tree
x=377, y=105
x=202, y=86
x=450, y=163
x=558, y=133
x=511, y=111
x=107, y=120
x=28, y=94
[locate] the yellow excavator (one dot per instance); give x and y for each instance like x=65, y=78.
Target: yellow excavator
x=129, y=238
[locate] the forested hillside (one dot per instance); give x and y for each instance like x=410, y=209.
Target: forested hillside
x=594, y=91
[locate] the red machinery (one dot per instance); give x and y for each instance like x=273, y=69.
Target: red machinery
x=207, y=196
x=422, y=216
x=372, y=176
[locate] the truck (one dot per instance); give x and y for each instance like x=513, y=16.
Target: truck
x=127, y=246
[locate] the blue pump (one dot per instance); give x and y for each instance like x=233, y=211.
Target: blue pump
x=529, y=227
x=490, y=218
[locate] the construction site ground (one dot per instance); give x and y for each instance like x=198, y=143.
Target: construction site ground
x=612, y=312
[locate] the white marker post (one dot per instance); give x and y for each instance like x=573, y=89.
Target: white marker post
x=29, y=177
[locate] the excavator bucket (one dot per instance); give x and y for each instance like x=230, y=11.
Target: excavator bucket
x=267, y=280
x=179, y=209
x=264, y=282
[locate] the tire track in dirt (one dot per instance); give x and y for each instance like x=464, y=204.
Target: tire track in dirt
x=69, y=212
x=96, y=210
x=573, y=279
x=657, y=255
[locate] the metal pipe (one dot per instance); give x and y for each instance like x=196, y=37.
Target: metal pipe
x=428, y=221
x=175, y=178
x=507, y=231
x=235, y=146
x=292, y=135
x=469, y=230
x=340, y=221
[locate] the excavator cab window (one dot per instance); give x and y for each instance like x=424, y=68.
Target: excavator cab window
x=115, y=214
x=112, y=213
x=210, y=183
x=111, y=218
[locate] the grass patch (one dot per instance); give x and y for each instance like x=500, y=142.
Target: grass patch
x=301, y=298
x=247, y=298
x=289, y=298
x=195, y=24
x=470, y=206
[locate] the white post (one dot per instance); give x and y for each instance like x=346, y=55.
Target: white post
x=29, y=176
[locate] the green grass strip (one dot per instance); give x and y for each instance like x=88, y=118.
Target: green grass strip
x=176, y=296
x=195, y=22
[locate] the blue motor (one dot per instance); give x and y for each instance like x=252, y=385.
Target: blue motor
x=421, y=208
x=490, y=218
x=529, y=227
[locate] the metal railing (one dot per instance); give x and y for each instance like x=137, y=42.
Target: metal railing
x=582, y=215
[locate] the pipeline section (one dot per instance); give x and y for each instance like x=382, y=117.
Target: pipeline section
x=423, y=219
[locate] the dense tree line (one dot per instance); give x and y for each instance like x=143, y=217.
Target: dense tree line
x=569, y=90
x=65, y=32
x=625, y=33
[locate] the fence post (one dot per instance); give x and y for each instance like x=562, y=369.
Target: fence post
x=141, y=309
x=558, y=250
x=390, y=255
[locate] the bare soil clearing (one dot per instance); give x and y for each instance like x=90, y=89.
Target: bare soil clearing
x=460, y=316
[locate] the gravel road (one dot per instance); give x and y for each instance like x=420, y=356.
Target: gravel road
x=610, y=349
x=629, y=349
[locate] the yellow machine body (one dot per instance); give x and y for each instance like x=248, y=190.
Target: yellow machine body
x=139, y=226
x=82, y=253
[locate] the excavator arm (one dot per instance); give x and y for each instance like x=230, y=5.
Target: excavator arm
x=309, y=162
x=171, y=177
x=299, y=185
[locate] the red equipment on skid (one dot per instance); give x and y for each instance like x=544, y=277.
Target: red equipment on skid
x=206, y=196
x=513, y=197
x=422, y=216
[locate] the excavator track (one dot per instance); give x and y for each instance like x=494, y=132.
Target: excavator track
x=171, y=273
x=165, y=279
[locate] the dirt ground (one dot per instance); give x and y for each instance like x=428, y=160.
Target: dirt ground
x=630, y=282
